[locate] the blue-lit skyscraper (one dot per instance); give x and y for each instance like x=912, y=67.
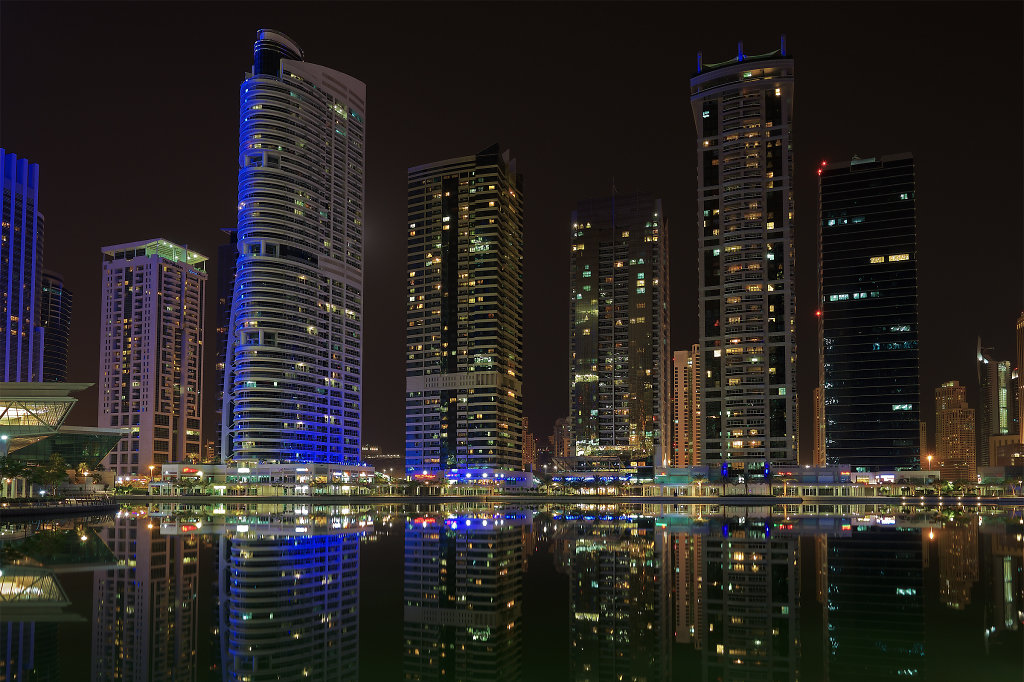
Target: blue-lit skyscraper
x=21, y=270
x=294, y=347
x=868, y=314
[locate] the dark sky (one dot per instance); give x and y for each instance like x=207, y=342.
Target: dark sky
x=131, y=109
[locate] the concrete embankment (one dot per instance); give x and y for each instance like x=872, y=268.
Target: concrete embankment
x=43, y=511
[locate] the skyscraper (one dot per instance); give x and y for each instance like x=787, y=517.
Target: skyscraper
x=867, y=319
x=743, y=110
x=55, y=317
x=620, y=357
x=995, y=401
x=819, y=426
x=464, y=334
x=227, y=260
x=686, y=421
x=1020, y=378
x=954, y=433
x=151, y=352
x=21, y=269
x=294, y=350
x=529, y=446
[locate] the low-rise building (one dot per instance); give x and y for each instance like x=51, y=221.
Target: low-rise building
x=261, y=478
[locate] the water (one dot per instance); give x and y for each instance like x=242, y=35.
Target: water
x=499, y=593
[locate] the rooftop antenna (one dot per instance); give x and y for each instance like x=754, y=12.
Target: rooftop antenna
x=739, y=52
x=783, y=44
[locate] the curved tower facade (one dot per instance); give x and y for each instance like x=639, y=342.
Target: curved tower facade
x=294, y=353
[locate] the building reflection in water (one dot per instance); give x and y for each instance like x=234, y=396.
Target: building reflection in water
x=146, y=621
x=958, y=560
x=463, y=592
x=750, y=600
x=620, y=617
x=289, y=596
x=1003, y=562
x=874, y=611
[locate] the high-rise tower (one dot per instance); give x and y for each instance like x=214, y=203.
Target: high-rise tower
x=21, y=269
x=55, y=317
x=686, y=417
x=867, y=319
x=1020, y=376
x=620, y=357
x=464, y=333
x=743, y=110
x=294, y=352
x=151, y=352
x=954, y=433
x=995, y=401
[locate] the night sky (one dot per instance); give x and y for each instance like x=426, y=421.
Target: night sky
x=131, y=110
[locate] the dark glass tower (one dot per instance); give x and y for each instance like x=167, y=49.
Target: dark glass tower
x=868, y=316
x=21, y=269
x=55, y=316
x=620, y=358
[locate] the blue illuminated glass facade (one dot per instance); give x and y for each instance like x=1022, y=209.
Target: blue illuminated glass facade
x=289, y=605
x=21, y=269
x=868, y=327
x=293, y=360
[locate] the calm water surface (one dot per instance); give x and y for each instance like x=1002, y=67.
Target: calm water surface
x=498, y=593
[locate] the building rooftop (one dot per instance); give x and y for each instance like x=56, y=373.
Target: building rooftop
x=159, y=247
